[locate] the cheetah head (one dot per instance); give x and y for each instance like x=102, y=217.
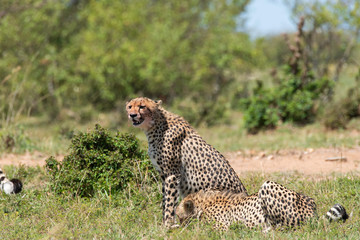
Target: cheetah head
x=187, y=210
x=140, y=112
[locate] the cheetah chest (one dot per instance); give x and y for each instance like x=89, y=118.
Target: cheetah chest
x=152, y=155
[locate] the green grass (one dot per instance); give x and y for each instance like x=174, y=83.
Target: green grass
x=232, y=137
x=54, y=138
x=37, y=213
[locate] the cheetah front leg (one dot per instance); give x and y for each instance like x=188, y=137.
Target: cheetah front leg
x=170, y=199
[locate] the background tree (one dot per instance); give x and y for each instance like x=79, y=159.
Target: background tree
x=331, y=33
x=79, y=57
x=79, y=53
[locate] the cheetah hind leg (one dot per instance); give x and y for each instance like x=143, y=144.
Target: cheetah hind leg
x=266, y=226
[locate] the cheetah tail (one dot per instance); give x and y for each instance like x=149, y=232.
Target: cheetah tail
x=13, y=186
x=336, y=213
x=17, y=185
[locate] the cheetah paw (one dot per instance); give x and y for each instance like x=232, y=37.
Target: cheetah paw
x=174, y=226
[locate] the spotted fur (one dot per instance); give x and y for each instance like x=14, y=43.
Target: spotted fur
x=223, y=208
x=12, y=186
x=285, y=207
x=186, y=163
x=273, y=206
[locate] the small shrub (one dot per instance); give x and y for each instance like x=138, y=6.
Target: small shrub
x=260, y=111
x=299, y=108
x=291, y=100
x=99, y=162
x=335, y=117
x=338, y=114
x=296, y=97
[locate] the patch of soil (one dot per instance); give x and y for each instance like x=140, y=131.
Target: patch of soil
x=28, y=159
x=309, y=161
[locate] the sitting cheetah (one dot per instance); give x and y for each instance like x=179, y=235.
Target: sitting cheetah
x=186, y=163
x=9, y=186
x=273, y=206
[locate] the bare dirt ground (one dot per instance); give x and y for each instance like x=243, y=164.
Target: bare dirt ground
x=27, y=159
x=309, y=161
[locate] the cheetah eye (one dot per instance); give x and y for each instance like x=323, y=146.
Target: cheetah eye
x=142, y=107
x=129, y=107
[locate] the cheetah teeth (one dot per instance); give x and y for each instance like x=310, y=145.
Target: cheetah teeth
x=135, y=123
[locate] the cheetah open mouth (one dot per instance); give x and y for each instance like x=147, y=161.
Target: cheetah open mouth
x=137, y=122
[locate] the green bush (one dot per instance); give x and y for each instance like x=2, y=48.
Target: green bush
x=298, y=108
x=338, y=114
x=260, y=110
x=296, y=98
x=292, y=100
x=99, y=162
x=335, y=116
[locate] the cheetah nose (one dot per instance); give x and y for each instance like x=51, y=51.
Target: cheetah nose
x=133, y=115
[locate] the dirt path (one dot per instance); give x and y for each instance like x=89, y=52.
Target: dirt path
x=28, y=159
x=310, y=161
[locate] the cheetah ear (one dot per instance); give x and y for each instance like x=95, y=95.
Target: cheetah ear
x=158, y=102
x=189, y=206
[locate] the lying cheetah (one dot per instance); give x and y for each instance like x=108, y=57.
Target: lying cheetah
x=186, y=163
x=9, y=186
x=273, y=206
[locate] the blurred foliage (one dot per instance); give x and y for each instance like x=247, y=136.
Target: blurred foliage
x=292, y=100
x=69, y=54
x=14, y=139
x=294, y=96
x=273, y=49
x=338, y=113
x=76, y=58
x=331, y=33
x=327, y=35
x=37, y=57
x=260, y=110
